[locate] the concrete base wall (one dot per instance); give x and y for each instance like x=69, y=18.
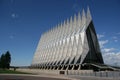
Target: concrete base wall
x=73, y=72
x=38, y=71
x=77, y=74
x=65, y=72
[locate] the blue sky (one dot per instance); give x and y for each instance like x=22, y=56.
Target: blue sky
x=23, y=21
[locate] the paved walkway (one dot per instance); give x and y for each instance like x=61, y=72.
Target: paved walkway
x=50, y=77
x=31, y=77
x=77, y=77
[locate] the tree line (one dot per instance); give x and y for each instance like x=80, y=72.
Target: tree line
x=5, y=60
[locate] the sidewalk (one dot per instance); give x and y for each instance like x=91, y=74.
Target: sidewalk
x=78, y=77
x=44, y=75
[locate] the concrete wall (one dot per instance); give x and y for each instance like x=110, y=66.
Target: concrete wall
x=65, y=72
x=38, y=71
x=107, y=74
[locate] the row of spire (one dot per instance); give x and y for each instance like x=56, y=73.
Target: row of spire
x=68, y=27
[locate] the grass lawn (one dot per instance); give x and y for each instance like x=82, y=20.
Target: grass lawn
x=11, y=72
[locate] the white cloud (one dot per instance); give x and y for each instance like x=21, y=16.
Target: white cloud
x=75, y=7
x=106, y=50
x=118, y=33
x=14, y=15
x=110, y=55
x=102, y=43
x=114, y=37
x=100, y=36
x=116, y=40
x=11, y=36
x=112, y=58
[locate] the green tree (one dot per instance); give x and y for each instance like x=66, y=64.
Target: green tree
x=0, y=61
x=3, y=61
x=7, y=59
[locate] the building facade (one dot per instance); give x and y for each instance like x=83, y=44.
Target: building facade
x=71, y=45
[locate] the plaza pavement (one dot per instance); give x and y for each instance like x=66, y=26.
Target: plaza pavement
x=33, y=77
x=50, y=77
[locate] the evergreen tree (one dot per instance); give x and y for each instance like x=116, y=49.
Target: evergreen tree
x=0, y=62
x=3, y=61
x=7, y=59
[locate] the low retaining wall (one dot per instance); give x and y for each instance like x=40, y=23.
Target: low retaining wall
x=107, y=74
x=74, y=72
x=38, y=71
x=65, y=72
x=78, y=72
